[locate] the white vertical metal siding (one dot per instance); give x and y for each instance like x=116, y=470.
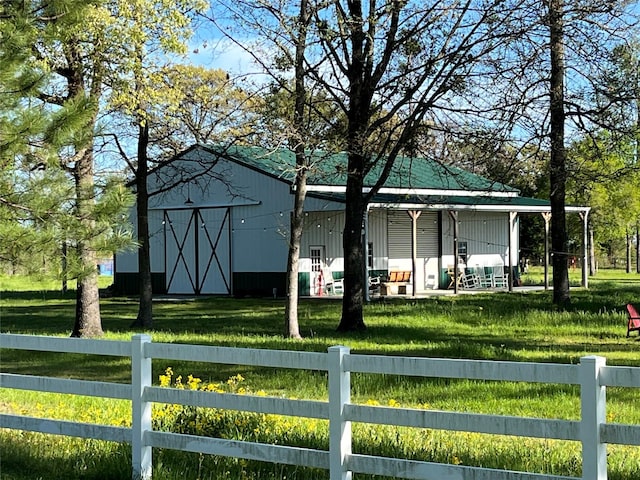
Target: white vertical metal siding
x=428, y=265
x=260, y=232
x=378, y=237
x=325, y=229
x=127, y=261
x=485, y=234
x=259, y=237
x=399, y=235
x=428, y=235
x=156, y=241
x=428, y=247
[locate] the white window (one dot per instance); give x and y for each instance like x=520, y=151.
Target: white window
x=462, y=252
x=317, y=258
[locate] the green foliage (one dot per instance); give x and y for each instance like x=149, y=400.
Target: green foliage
x=46, y=131
x=606, y=179
x=30, y=221
x=42, y=219
x=144, y=37
x=214, y=422
x=196, y=104
x=68, y=125
x=323, y=123
x=620, y=87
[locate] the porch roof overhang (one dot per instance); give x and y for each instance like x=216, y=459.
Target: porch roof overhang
x=483, y=203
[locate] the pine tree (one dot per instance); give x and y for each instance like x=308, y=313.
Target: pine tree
x=54, y=51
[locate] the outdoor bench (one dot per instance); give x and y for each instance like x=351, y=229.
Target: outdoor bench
x=634, y=319
x=397, y=282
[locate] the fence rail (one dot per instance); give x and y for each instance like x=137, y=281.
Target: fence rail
x=592, y=429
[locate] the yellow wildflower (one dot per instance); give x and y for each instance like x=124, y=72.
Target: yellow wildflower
x=193, y=382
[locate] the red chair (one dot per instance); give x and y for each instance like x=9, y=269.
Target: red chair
x=634, y=319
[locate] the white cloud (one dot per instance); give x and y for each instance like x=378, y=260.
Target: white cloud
x=224, y=54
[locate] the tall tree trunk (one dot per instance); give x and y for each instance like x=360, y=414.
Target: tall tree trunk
x=361, y=87
x=628, y=237
x=592, y=254
x=638, y=248
x=88, y=322
x=558, y=174
x=299, y=140
x=353, y=299
x=64, y=266
x=145, y=306
x=292, y=328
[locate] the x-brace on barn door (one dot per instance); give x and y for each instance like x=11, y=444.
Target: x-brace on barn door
x=197, y=251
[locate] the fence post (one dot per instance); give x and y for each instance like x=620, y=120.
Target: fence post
x=594, y=413
x=339, y=428
x=140, y=409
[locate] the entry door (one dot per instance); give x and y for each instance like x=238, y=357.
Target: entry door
x=197, y=251
x=316, y=253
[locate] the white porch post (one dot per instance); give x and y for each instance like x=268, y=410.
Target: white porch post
x=339, y=428
x=594, y=412
x=547, y=218
x=141, y=410
x=367, y=293
x=414, y=214
x=456, y=273
x=512, y=219
x=585, y=248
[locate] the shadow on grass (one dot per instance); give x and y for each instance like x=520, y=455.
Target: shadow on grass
x=492, y=326
x=20, y=461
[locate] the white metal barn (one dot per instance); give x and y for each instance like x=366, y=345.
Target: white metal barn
x=225, y=232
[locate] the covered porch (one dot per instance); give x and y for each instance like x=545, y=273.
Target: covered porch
x=417, y=244
x=467, y=272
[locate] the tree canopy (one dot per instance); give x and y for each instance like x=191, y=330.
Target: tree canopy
x=43, y=127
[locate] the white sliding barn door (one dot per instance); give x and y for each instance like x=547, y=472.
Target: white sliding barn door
x=214, y=251
x=197, y=251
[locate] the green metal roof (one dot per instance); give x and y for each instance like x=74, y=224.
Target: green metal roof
x=330, y=170
x=408, y=173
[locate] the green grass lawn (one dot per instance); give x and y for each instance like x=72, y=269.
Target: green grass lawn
x=494, y=326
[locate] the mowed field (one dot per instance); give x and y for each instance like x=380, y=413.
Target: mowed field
x=490, y=326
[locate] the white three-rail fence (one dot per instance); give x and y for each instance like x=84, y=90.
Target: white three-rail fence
x=592, y=429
